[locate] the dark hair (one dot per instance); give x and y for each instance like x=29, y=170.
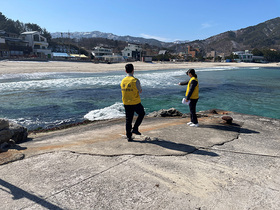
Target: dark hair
x=192, y=72
x=129, y=68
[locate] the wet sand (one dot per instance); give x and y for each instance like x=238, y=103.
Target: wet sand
x=16, y=67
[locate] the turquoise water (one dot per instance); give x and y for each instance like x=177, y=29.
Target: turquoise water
x=251, y=91
x=51, y=99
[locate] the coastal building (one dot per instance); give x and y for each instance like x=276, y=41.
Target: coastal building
x=132, y=52
x=37, y=42
x=99, y=52
x=243, y=56
x=259, y=59
x=162, y=52
x=211, y=55
x=148, y=59
x=113, y=58
x=4, y=51
x=192, y=52
x=12, y=46
x=106, y=55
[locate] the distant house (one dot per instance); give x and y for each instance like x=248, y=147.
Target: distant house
x=243, y=56
x=259, y=59
x=162, y=52
x=37, y=42
x=147, y=59
x=192, y=52
x=215, y=55
x=100, y=52
x=132, y=51
x=113, y=58
x=106, y=55
x=12, y=46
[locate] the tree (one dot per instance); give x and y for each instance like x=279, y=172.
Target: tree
x=271, y=55
x=257, y=52
x=2, y=18
x=18, y=27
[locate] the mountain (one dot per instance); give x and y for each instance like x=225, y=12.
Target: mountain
x=130, y=39
x=263, y=35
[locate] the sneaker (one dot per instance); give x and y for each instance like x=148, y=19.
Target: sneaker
x=194, y=125
x=189, y=123
x=129, y=139
x=136, y=132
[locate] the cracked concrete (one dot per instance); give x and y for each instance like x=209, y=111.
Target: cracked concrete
x=171, y=166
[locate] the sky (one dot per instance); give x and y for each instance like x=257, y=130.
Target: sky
x=165, y=20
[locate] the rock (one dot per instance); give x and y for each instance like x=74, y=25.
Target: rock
x=10, y=131
x=172, y=112
x=5, y=135
x=227, y=119
x=20, y=132
x=4, y=145
x=213, y=111
x=4, y=123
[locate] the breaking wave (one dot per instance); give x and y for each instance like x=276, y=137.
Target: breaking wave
x=114, y=111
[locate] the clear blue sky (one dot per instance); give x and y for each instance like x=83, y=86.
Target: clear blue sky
x=165, y=20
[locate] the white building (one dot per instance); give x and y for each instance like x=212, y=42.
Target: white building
x=243, y=56
x=132, y=51
x=99, y=52
x=38, y=43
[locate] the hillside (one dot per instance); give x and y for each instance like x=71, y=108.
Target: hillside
x=98, y=34
x=263, y=35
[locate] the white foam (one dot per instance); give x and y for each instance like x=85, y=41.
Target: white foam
x=50, y=81
x=114, y=111
x=39, y=81
x=224, y=68
x=35, y=123
x=37, y=75
x=160, y=79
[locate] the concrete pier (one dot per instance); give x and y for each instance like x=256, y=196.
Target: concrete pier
x=170, y=166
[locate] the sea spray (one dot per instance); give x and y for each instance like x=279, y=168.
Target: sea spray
x=114, y=111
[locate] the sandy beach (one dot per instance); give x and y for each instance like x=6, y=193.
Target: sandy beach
x=15, y=67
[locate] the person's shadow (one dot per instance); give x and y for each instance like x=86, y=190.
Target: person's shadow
x=19, y=193
x=177, y=146
x=232, y=128
x=12, y=146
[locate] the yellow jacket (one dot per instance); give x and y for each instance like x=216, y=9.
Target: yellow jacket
x=130, y=93
x=195, y=93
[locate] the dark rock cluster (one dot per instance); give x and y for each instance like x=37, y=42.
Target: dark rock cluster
x=11, y=133
x=172, y=112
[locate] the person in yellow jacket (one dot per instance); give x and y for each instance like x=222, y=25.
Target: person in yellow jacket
x=131, y=88
x=192, y=95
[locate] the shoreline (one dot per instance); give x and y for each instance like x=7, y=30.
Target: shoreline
x=200, y=115
x=17, y=67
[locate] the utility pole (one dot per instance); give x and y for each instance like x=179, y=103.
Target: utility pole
x=69, y=42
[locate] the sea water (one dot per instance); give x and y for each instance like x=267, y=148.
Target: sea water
x=51, y=99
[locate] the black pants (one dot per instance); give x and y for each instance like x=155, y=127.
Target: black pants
x=129, y=113
x=192, y=106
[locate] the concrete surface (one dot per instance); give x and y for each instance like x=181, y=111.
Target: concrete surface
x=171, y=166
